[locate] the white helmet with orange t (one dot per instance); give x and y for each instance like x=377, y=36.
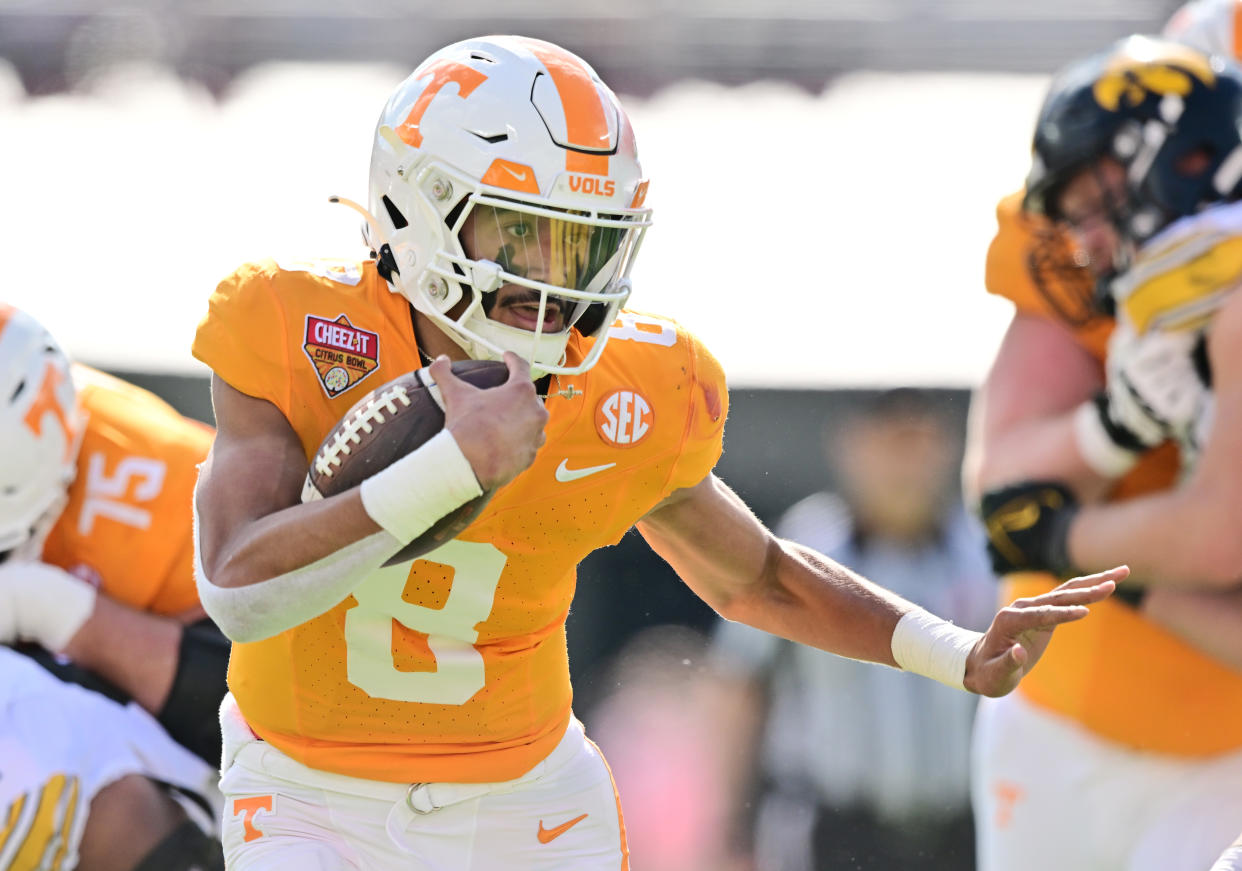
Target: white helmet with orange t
x=504, y=173
x=1211, y=26
x=39, y=429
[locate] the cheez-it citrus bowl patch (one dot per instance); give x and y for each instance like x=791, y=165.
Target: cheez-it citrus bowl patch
x=623, y=418
x=341, y=353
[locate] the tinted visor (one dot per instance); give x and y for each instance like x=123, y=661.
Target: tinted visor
x=561, y=252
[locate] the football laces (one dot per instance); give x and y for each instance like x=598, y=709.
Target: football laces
x=364, y=420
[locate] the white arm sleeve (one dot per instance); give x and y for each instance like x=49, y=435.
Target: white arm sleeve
x=405, y=499
x=269, y=607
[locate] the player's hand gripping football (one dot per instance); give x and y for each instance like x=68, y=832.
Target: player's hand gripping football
x=1020, y=631
x=499, y=430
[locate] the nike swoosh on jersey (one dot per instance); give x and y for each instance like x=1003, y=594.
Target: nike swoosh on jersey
x=520, y=176
x=548, y=835
x=565, y=474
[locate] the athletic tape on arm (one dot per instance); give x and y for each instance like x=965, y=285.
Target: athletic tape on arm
x=269, y=607
x=404, y=499
x=408, y=497
x=935, y=648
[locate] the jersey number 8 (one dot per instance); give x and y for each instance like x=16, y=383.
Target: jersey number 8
x=451, y=632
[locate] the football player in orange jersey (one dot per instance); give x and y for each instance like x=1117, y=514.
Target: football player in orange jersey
x=95, y=564
x=419, y=714
x=1142, y=714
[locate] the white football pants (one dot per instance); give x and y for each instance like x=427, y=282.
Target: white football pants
x=1049, y=794
x=281, y=815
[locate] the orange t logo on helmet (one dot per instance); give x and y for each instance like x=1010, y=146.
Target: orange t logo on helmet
x=442, y=72
x=46, y=402
x=45, y=398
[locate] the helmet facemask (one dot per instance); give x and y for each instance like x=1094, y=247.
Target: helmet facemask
x=1150, y=105
x=524, y=276
x=1168, y=115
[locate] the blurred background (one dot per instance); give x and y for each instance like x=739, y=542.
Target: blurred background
x=824, y=175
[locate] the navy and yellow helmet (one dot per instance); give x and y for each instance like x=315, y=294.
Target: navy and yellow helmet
x=1150, y=104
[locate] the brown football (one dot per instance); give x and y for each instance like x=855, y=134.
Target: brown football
x=385, y=425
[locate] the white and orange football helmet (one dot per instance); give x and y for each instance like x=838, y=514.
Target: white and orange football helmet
x=506, y=161
x=40, y=430
x=1211, y=26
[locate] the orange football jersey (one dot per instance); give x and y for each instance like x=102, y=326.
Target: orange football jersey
x=127, y=524
x=1117, y=673
x=452, y=667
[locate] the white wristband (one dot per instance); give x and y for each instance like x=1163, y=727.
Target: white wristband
x=924, y=644
x=408, y=497
x=1098, y=450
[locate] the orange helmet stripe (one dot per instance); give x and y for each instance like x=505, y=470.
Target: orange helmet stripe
x=596, y=164
x=586, y=117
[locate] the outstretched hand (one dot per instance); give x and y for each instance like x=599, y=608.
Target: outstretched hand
x=1021, y=630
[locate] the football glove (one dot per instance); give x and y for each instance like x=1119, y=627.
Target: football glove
x=1028, y=527
x=1106, y=445
x=1155, y=389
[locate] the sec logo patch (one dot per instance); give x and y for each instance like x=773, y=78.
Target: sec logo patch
x=624, y=418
